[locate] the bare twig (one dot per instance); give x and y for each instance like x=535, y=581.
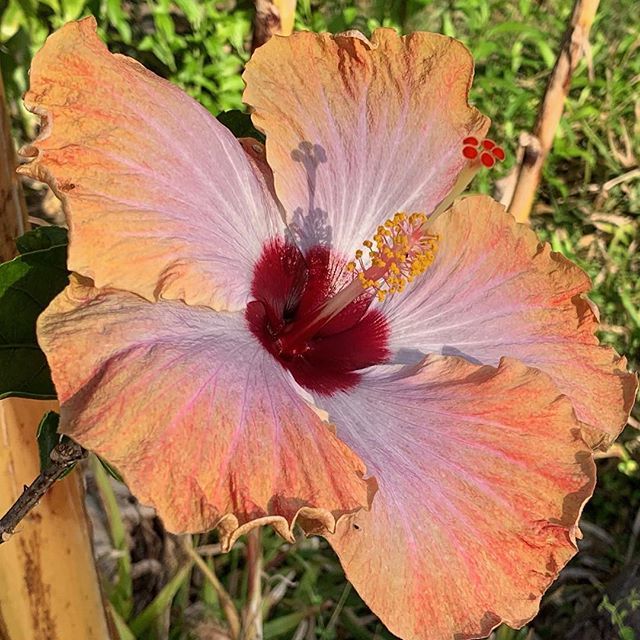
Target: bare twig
x=64, y=455
x=536, y=146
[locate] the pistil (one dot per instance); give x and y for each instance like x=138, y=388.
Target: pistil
x=400, y=251
x=479, y=153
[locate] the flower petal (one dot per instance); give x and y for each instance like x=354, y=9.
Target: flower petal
x=359, y=130
x=482, y=476
x=160, y=197
x=494, y=290
x=198, y=417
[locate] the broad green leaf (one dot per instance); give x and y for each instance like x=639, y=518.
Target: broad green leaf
x=42, y=238
x=48, y=437
x=239, y=123
x=111, y=470
x=28, y=283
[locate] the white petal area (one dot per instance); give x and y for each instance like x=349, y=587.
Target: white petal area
x=482, y=476
x=160, y=198
x=495, y=290
x=202, y=422
x=359, y=130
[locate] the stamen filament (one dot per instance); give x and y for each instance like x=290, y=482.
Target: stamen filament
x=400, y=251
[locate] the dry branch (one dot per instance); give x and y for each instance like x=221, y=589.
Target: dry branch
x=536, y=146
x=63, y=456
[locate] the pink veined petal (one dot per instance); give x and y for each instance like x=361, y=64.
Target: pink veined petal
x=201, y=421
x=494, y=290
x=358, y=130
x=159, y=196
x=482, y=476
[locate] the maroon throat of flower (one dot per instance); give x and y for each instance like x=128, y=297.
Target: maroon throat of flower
x=313, y=312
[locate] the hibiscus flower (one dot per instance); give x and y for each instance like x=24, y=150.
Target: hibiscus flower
x=310, y=333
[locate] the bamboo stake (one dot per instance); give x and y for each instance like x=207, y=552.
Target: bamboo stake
x=49, y=587
x=536, y=146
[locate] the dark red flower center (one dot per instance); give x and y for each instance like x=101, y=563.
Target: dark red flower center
x=289, y=290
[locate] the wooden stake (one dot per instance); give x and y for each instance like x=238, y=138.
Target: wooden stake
x=49, y=587
x=272, y=17
x=536, y=146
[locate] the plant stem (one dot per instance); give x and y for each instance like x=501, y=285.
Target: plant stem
x=229, y=609
x=252, y=629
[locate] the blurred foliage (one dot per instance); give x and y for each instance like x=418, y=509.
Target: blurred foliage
x=588, y=209
x=198, y=45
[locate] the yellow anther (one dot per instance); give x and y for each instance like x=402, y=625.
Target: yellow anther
x=403, y=251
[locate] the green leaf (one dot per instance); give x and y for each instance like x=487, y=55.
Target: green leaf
x=48, y=437
x=42, y=238
x=161, y=603
x=124, y=633
x=111, y=470
x=28, y=283
x=71, y=9
x=239, y=123
x=284, y=625
x=121, y=589
x=119, y=20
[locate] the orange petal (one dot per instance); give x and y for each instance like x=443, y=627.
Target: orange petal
x=494, y=290
x=482, y=476
x=160, y=197
x=358, y=130
x=199, y=418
